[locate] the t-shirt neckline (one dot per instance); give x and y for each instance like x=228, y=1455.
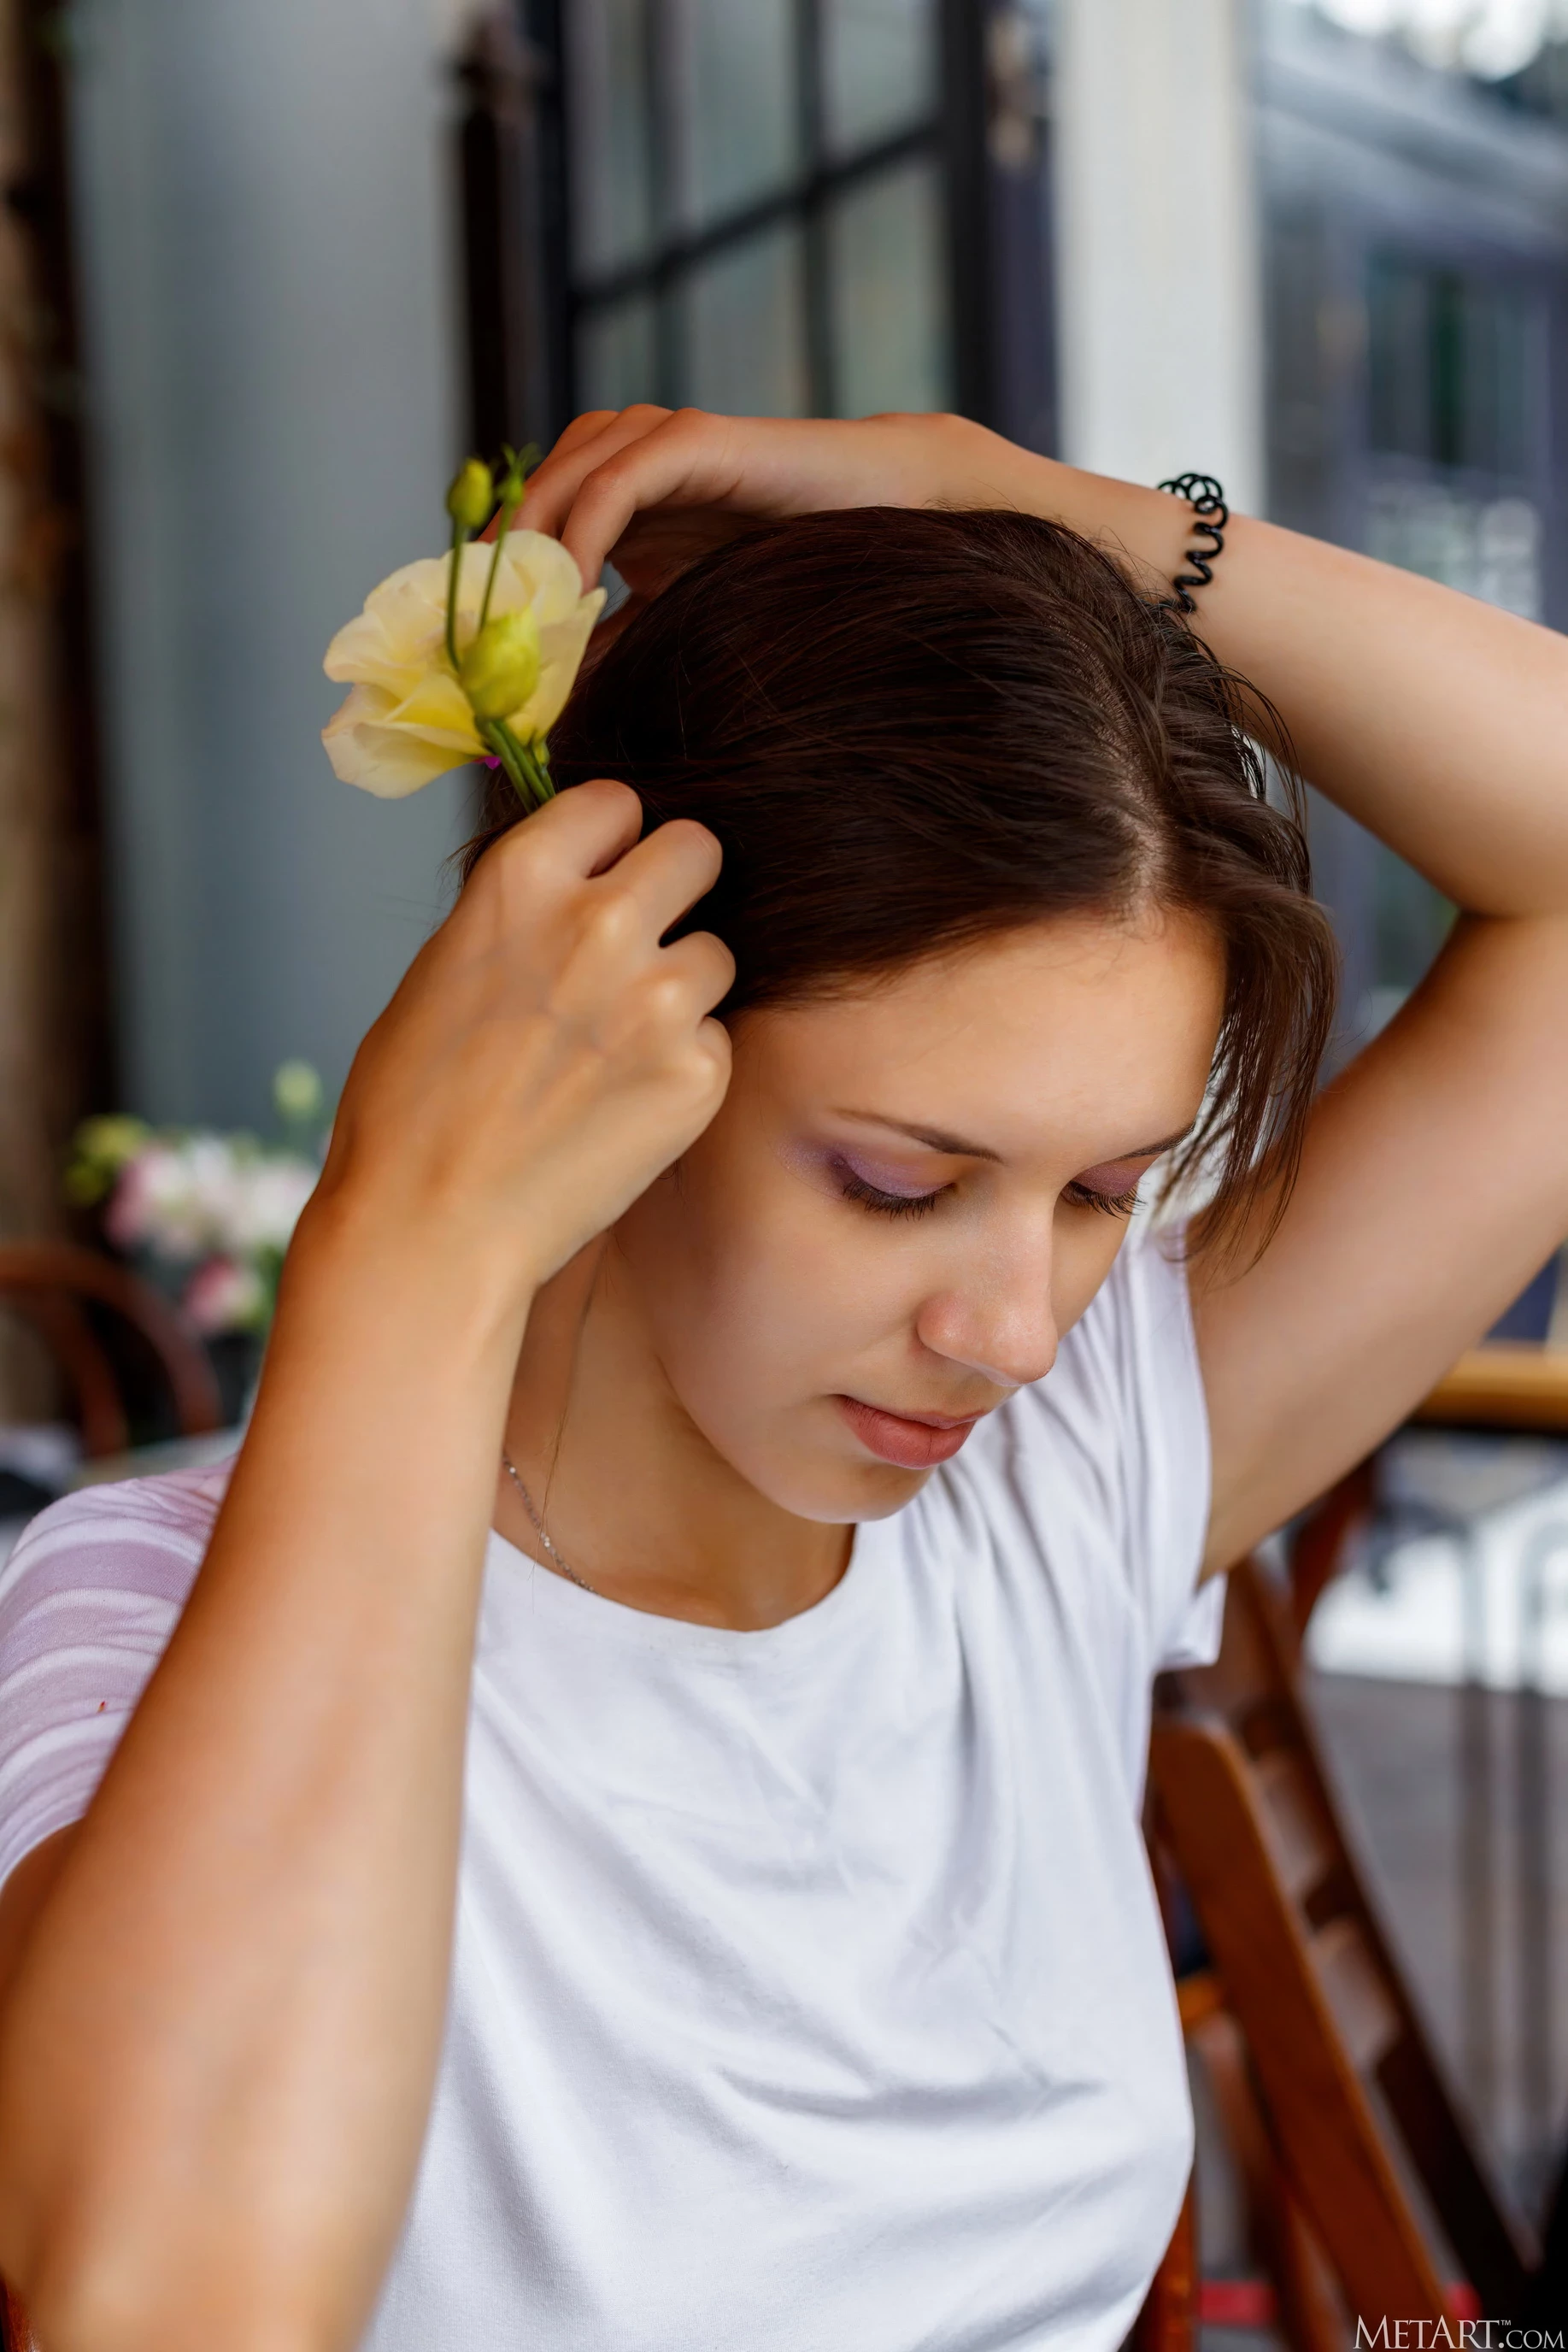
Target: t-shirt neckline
x=514, y=1573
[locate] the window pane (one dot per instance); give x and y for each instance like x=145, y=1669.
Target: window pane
x=608, y=84
x=1499, y=382
x=879, y=68
x=1452, y=366
x=744, y=315
x=617, y=355
x=739, y=101
x=1490, y=548
x=889, y=308
x=1400, y=359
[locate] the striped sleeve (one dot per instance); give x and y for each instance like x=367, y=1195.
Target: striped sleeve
x=88, y=1599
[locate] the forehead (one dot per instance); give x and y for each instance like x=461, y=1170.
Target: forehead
x=1085, y=1032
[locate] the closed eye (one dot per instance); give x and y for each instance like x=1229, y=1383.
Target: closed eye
x=1110, y=1204
x=853, y=1187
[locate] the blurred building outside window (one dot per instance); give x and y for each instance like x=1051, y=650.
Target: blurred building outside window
x=1414, y=157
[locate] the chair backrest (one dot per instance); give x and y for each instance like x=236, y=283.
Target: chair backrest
x=1312, y=1982
x=47, y=1281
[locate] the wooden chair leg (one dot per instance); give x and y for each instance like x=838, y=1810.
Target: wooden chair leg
x=1310, y=2317
x=1168, y=2320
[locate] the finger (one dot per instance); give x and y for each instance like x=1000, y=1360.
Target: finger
x=585, y=444
x=577, y=835
x=579, y=434
x=689, y=459
x=669, y=872
x=703, y=962
x=583, y=428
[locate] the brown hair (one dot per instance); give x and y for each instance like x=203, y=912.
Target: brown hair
x=912, y=730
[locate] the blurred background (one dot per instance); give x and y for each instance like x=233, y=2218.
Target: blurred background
x=267, y=272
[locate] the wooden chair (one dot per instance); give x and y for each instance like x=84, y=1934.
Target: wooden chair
x=1308, y=2308
x=1351, y=2102
x=1510, y=1386
x=48, y=1282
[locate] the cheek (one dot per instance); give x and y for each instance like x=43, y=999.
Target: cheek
x=1085, y=1249
x=757, y=1292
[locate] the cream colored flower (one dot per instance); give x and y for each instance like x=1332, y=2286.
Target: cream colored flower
x=408, y=720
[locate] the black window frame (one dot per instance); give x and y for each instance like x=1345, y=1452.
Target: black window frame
x=525, y=301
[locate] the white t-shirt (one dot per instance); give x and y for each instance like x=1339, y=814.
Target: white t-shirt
x=809, y=1989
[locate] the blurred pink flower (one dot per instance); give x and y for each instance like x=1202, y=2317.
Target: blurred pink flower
x=224, y=1295
x=199, y=1195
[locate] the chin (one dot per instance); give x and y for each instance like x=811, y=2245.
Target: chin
x=821, y=1485
x=799, y=1456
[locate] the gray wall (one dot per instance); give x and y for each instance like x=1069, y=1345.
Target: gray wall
x=267, y=227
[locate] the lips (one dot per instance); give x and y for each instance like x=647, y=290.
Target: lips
x=914, y=1441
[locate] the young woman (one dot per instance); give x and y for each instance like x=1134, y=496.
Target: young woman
x=630, y=1841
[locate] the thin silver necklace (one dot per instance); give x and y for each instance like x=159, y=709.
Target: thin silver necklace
x=570, y=1574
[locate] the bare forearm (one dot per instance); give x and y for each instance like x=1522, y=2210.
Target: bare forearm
x=1437, y=722
x=216, y=2055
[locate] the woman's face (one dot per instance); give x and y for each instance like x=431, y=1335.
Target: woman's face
x=910, y=1193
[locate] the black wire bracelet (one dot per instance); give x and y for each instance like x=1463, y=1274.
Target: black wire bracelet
x=1211, y=514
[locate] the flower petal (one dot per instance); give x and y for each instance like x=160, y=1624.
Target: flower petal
x=389, y=762
x=561, y=645
x=437, y=707
x=411, y=606
x=362, y=653
x=538, y=571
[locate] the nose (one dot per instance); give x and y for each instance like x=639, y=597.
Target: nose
x=1001, y=1324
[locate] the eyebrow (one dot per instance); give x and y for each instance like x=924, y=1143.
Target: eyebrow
x=956, y=1147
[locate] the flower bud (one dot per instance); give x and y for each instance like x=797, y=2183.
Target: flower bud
x=472, y=497
x=501, y=668
x=297, y=1092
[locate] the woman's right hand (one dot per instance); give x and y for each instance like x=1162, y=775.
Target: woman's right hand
x=650, y=489
x=545, y=1057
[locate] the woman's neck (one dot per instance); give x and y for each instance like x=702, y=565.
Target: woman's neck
x=637, y=1501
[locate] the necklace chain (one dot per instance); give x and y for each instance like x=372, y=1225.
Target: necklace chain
x=570, y=1574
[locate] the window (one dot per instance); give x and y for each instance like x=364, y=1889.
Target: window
x=759, y=204
x=773, y=206
x=1455, y=366
x=1451, y=368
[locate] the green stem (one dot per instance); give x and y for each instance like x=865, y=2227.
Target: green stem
x=491, y=735
x=459, y=540
x=533, y=761
x=515, y=482
x=506, y=514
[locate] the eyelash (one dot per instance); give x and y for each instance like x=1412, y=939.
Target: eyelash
x=886, y=1204
x=1111, y=1204
x=920, y=1205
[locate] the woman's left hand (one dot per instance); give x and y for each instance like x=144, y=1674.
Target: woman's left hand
x=650, y=489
